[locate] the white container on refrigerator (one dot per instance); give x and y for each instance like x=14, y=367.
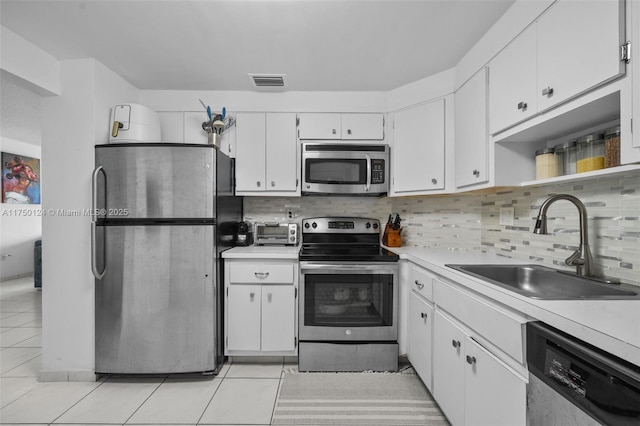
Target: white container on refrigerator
x=134, y=123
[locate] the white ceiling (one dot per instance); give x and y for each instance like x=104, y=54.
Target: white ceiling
x=213, y=44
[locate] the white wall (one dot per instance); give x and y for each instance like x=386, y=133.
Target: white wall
x=88, y=91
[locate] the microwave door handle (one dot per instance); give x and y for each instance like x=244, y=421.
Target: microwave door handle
x=368, y=184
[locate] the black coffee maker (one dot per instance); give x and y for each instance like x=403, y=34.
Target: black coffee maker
x=244, y=237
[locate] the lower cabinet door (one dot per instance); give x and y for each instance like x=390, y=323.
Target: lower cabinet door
x=448, y=369
x=278, y=317
x=243, y=317
x=493, y=394
x=419, y=345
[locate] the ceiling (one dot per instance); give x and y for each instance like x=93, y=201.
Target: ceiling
x=321, y=45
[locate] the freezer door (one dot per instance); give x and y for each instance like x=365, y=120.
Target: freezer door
x=155, y=306
x=156, y=181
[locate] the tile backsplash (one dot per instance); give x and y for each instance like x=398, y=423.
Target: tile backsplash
x=471, y=221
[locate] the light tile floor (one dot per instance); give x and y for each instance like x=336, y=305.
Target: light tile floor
x=242, y=394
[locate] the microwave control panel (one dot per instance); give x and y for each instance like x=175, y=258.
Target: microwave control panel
x=377, y=171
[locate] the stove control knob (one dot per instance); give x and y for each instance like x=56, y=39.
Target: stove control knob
x=375, y=225
x=306, y=225
x=368, y=225
x=314, y=225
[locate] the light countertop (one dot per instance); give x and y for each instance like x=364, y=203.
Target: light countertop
x=613, y=325
x=262, y=252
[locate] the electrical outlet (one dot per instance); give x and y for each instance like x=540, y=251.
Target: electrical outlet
x=290, y=214
x=506, y=216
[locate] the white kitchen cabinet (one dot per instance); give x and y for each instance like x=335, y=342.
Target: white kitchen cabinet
x=471, y=385
x=260, y=307
x=418, y=154
x=419, y=344
x=448, y=371
x=570, y=49
x=336, y=126
x=633, y=154
x=267, y=154
x=471, y=135
x=512, y=81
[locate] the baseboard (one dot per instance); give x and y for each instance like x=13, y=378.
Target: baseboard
x=66, y=376
x=15, y=277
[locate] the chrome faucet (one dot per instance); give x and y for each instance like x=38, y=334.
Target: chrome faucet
x=581, y=258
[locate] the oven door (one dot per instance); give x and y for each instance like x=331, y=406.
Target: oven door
x=348, y=302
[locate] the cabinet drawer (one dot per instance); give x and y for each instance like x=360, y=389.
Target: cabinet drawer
x=421, y=282
x=503, y=329
x=261, y=273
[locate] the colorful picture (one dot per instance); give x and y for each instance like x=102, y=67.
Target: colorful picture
x=20, y=179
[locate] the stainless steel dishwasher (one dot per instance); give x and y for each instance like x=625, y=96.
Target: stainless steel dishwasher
x=574, y=383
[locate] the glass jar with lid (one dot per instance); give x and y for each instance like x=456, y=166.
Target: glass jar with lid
x=590, y=153
x=568, y=151
x=546, y=165
x=612, y=147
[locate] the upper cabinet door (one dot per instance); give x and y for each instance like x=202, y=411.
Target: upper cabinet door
x=282, y=156
x=418, y=148
x=578, y=48
x=512, y=82
x=363, y=126
x=250, y=151
x=472, y=138
x=320, y=126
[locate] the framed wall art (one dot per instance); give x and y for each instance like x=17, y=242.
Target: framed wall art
x=20, y=179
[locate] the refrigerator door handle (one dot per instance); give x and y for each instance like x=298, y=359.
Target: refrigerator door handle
x=94, y=199
x=94, y=262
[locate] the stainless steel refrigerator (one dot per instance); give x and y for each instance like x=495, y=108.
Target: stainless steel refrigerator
x=162, y=215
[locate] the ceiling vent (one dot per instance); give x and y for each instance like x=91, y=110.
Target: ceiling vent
x=268, y=81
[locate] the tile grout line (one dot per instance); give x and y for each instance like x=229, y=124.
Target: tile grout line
x=77, y=402
x=145, y=400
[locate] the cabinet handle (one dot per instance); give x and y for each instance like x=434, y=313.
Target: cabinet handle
x=273, y=184
x=476, y=173
x=251, y=296
x=258, y=184
x=455, y=343
x=419, y=284
x=423, y=315
x=348, y=131
x=261, y=274
x=471, y=360
x=522, y=105
x=269, y=297
x=547, y=91
x=333, y=131
x=434, y=181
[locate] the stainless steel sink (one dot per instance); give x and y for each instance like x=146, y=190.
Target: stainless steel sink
x=540, y=282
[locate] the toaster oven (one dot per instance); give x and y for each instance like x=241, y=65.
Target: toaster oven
x=276, y=234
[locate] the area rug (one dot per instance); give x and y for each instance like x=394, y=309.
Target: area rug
x=355, y=399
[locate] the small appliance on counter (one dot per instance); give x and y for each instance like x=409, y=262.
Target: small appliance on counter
x=275, y=233
x=244, y=236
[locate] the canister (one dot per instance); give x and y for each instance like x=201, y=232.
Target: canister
x=568, y=151
x=590, y=153
x=612, y=147
x=546, y=166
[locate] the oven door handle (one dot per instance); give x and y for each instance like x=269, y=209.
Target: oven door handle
x=351, y=268
x=368, y=185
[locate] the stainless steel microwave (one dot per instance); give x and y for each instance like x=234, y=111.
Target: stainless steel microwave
x=345, y=169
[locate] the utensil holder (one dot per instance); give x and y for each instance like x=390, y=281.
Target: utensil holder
x=391, y=237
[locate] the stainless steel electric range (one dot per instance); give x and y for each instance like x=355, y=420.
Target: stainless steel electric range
x=348, y=313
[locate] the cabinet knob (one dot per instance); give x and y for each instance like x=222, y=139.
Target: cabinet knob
x=434, y=181
x=419, y=284
x=348, y=131
x=258, y=184
x=269, y=297
x=333, y=131
x=547, y=91
x=522, y=105
x=273, y=184
x=471, y=360
x=251, y=296
x=476, y=173
x=423, y=315
x=455, y=343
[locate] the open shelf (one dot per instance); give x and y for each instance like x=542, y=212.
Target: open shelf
x=582, y=176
